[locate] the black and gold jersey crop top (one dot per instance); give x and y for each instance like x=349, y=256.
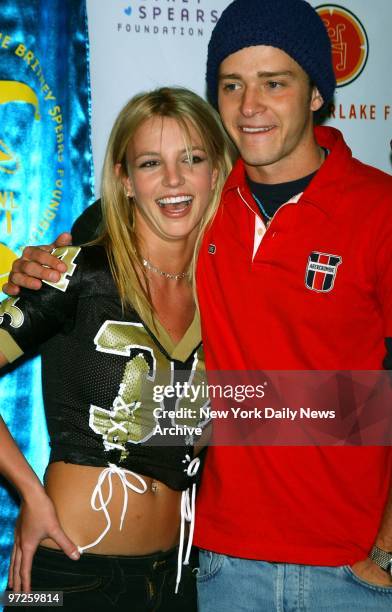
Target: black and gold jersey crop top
x=101, y=371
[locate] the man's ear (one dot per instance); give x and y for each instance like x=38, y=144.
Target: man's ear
x=126, y=181
x=316, y=100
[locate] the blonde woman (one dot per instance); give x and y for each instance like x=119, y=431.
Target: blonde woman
x=124, y=311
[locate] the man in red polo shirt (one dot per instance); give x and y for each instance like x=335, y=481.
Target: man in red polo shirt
x=294, y=274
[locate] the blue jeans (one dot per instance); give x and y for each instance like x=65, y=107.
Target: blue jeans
x=229, y=584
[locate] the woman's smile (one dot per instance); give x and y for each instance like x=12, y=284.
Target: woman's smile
x=170, y=179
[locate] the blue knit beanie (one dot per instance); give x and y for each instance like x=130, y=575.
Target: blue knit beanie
x=291, y=25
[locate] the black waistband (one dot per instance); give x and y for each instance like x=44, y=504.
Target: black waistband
x=103, y=564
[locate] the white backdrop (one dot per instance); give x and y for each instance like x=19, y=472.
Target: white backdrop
x=141, y=44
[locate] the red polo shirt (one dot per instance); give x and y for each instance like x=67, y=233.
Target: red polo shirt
x=267, y=305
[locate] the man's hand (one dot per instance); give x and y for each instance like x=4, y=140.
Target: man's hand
x=370, y=572
x=37, y=521
x=36, y=264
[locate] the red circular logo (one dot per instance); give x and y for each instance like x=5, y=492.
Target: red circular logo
x=350, y=47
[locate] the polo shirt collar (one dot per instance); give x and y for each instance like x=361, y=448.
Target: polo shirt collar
x=325, y=187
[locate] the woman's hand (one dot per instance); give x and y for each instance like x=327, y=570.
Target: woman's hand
x=37, y=520
x=36, y=264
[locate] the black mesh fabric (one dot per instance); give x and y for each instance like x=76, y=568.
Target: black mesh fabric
x=92, y=357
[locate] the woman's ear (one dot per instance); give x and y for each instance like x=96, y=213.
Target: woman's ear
x=214, y=177
x=126, y=181
x=316, y=100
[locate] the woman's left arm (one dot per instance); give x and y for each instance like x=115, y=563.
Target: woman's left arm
x=37, y=519
x=26, y=322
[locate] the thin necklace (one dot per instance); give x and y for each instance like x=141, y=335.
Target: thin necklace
x=147, y=264
x=259, y=204
x=324, y=154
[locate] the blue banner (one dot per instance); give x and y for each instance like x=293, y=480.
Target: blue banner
x=46, y=179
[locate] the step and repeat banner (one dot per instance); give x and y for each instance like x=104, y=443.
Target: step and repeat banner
x=46, y=180
x=134, y=45
x=143, y=44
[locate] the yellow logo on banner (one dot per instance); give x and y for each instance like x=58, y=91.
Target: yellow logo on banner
x=6, y=258
x=14, y=91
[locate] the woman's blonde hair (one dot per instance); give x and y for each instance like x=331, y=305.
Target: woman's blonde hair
x=119, y=235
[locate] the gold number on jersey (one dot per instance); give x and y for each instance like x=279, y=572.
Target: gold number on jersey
x=67, y=255
x=8, y=308
x=130, y=418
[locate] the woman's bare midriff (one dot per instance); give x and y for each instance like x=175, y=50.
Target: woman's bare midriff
x=151, y=522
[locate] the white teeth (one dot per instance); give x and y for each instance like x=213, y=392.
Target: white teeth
x=256, y=129
x=187, y=199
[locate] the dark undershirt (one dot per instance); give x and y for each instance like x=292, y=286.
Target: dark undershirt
x=271, y=197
